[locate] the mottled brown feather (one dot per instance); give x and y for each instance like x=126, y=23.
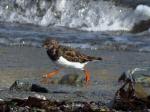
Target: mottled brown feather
x=54, y=51
x=75, y=56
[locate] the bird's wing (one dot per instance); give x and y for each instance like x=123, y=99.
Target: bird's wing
x=75, y=56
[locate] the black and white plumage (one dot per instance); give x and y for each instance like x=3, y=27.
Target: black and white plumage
x=67, y=57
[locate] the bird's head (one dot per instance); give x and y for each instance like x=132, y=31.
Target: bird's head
x=50, y=44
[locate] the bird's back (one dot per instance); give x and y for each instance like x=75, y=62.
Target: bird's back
x=75, y=56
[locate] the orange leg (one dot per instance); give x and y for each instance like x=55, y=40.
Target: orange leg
x=87, y=75
x=50, y=75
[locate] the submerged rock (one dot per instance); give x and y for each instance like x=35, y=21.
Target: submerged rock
x=72, y=79
x=69, y=79
x=20, y=85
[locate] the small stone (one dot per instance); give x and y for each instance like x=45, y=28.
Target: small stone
x=1, y=100
x=40, y=96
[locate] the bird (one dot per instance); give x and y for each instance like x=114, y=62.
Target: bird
x=65, y=56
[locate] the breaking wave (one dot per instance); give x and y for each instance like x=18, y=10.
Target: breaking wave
x=88, y=15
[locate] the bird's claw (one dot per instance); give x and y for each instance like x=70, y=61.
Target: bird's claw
x=44, y=76
x=44, y=79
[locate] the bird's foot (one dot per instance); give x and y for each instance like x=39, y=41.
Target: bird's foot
x=44, y=79
x=87, y=77
x=49, y=75
x=87, y=84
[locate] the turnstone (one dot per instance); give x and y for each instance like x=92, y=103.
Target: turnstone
x=66, y=57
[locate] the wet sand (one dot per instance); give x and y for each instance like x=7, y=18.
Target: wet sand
x=30, y=63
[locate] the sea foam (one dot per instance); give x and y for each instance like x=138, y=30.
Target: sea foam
x=92, y=15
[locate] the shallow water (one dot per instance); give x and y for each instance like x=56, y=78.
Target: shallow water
x=22, y=57
x=30, y=63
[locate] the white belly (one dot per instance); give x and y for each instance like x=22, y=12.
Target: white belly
x=64, y=62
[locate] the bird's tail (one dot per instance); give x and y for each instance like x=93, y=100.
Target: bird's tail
x=91, y=58
x=94, y=58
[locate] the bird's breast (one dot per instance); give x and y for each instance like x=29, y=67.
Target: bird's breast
x=64, y=62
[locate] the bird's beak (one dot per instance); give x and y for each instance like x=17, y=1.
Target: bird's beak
x=47, y=47
x=51, y=47
x=44, y=46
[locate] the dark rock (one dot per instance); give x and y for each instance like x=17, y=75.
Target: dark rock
x=135, y=92
x=40, y=105
x=140, y=79
x=37, y=88
x=141, y=26
x=4, y=107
